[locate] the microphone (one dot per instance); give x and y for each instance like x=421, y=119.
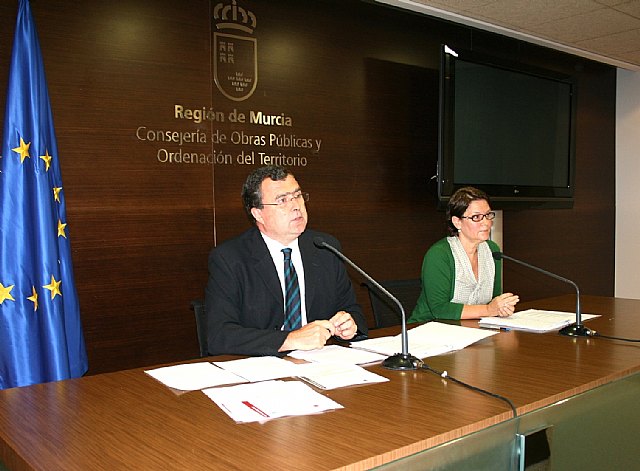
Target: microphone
x=399, y=361
x=573, y=330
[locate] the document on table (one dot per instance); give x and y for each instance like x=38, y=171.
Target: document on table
x=324, y=375
x=258, y=402
x=259, y=368
x=534, y=320
x=426, y=340
x=338, y=354
x=193, y=376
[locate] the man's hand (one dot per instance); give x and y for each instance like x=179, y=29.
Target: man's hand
x=344, y=325
x=309, y=337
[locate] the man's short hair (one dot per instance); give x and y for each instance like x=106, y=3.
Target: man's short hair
x=252, y=188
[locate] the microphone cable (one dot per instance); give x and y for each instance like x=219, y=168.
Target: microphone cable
x=598, y=334
x=443, y=374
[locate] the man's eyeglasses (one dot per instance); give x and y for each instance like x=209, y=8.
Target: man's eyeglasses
x=490, y=216
x=285, y=199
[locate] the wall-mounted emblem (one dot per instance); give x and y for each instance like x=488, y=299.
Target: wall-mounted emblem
x=235, y=56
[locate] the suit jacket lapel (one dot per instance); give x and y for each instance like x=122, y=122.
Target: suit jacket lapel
x=312, y=269
x=263, y=265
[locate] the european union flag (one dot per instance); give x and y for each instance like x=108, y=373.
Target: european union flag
x=40, y=331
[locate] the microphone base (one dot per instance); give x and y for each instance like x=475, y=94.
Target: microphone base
x=575, y=330
x=401, y=362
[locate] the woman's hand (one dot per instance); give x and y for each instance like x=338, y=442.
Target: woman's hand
x=503, y=305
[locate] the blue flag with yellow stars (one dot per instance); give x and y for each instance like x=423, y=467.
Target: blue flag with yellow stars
x=41, y=335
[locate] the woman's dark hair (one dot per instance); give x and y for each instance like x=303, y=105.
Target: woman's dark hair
x=459, y=202
x=251, y=190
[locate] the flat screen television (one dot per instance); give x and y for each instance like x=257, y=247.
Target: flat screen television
x=506, y=128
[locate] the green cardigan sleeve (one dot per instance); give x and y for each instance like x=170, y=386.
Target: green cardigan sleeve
x=497, y=281
x=438, y=284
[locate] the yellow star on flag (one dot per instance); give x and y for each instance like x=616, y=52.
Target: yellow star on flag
x=34, y=298
x=5, y=293
x=23, y=150
x=54, y=287
x=47, y=159
x=61, y=227
x=56, y=193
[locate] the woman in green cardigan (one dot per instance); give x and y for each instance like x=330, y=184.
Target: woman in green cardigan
x=460, y=278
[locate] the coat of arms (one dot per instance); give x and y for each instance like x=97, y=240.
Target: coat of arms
x=235, y=57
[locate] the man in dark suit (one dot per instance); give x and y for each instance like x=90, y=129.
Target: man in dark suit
x=245, y=295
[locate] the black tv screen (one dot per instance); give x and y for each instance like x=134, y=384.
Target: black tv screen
x=506, y=128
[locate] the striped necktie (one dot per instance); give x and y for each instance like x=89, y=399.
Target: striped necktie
x=292, y=313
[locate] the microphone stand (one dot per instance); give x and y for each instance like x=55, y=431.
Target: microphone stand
x=574, y=330
x=399, y=361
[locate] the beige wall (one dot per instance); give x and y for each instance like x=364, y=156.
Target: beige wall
x=627, y=279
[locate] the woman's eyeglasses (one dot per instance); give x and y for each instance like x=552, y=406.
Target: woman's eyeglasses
x=490, y=216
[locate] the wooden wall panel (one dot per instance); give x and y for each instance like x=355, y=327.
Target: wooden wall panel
x=360, y=76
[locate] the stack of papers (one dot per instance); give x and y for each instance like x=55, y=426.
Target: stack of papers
x=426, y=340
x=333, y=366
x=533, y=320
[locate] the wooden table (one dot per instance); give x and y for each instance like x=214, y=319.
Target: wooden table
x=127, y=420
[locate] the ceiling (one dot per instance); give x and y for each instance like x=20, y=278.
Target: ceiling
x=603, y=30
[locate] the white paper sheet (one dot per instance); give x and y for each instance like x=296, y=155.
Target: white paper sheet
x=534, y=320
x=258, y=402
x=193, y=376
x=324, y=375
x=259, y=368
x=338, y=354
x=426, y=340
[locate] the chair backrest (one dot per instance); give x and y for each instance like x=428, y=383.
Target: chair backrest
x=385, y=311
x=197, y=305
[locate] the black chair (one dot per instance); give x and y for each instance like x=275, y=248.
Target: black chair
x=385, y=311
x=197, y=306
